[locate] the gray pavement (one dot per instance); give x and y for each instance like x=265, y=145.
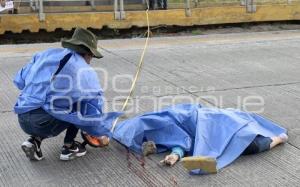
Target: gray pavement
x=221, y=70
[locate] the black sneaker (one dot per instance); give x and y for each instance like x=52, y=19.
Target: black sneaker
x=32, y=149
x=76, y=150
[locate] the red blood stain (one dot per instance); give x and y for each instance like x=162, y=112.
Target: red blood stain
x=173, y=179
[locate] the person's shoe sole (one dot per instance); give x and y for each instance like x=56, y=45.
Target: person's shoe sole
x=71, y=156
x=206, y=164
x=149, y=148
x=80, y=154
x=30, y=151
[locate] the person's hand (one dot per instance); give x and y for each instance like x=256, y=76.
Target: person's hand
x=94, y=141
x=170, y=160
x=104, y=140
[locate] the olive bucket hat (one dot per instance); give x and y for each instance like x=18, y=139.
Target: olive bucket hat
x=82, y=41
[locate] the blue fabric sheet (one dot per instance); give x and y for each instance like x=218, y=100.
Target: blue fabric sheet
x=74, y=95
x=200, y=131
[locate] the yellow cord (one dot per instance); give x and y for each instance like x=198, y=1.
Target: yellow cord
x=138, y=70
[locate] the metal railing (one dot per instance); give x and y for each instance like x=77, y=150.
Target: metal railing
x=118, y=6
x=119, y=11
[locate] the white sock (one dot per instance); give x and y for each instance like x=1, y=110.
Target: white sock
x=284, y=137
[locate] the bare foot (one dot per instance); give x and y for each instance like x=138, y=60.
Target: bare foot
x=170, y=160
x=282, y=138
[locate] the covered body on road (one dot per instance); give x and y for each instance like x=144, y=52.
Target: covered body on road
x=222, y=134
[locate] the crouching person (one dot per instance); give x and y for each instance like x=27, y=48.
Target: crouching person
x=60, y=91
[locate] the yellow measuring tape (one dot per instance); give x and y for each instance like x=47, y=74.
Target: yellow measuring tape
x=139, y=68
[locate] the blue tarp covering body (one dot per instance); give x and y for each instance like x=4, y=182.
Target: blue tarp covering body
x=74, y=95
x=220, y=133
